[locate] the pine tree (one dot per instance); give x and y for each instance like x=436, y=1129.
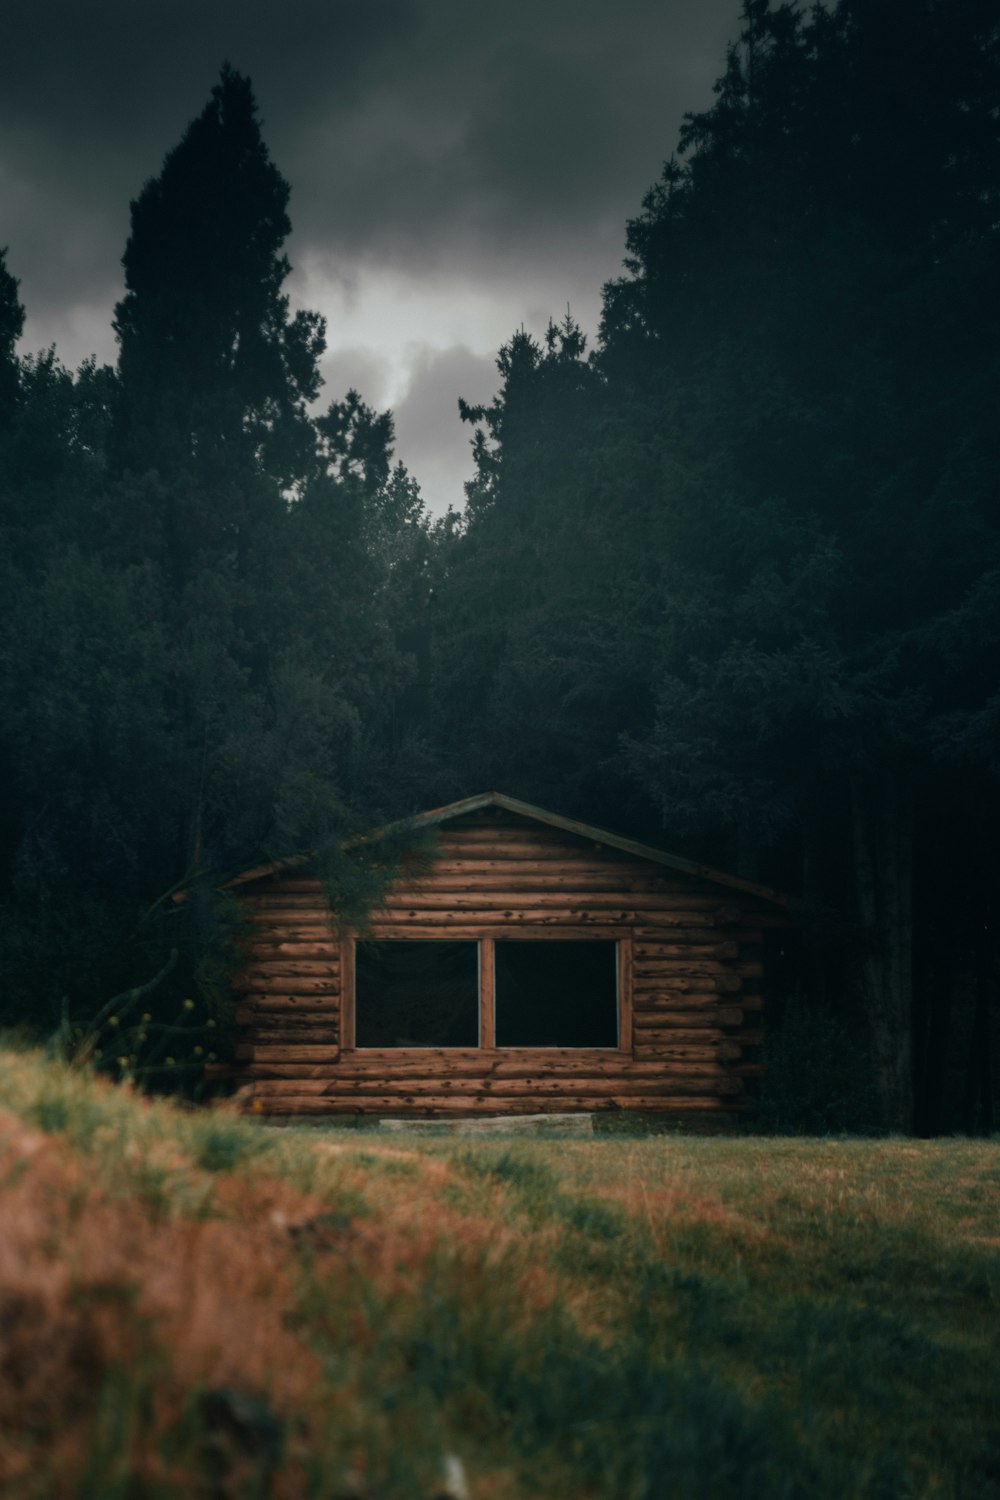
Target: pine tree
x=211, y=363
x=811, y=300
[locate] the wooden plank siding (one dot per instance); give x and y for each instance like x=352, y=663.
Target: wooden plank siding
x=688, y=973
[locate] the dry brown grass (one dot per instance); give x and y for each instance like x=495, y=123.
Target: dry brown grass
x=125, y=1261
x=90, y=1285
x=526, y=1303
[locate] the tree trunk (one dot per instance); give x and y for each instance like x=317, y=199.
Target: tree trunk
x=882, y=817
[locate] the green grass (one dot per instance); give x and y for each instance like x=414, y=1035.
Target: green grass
x=325, y=1313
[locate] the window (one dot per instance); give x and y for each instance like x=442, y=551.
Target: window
x=556, y=994
x=491, y=992
x=416, y=994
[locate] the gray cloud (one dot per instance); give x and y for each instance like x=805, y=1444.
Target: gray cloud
x=358, y=369
x=430, y=438
x=496, y=150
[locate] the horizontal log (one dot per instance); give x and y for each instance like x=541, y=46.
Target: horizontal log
x=649, y=1020
x=723, y=1015
x=660, y=929
x=295, y=1016
x=546, y=873
x=697, y=1041
x=723, y=1054
x=557, y=899
x=684, y=1063
x=669, y=998
x=513, y=888
x=275, y=949
x=379, y=931
x=703, y=974
x=690, y=963
x=351, y=1068
x=292, y=1073
x=707, y=1016
x=713, y=1038
x=384, y=1056
x=311, y=1037
x=471, y=1105
x=268, y=1000
x=691, y=949
x=655, y=1039
x=693, y=962
x=544, y=862
x=292, y=968
x=653, y=905
x=529, y=842
x=252, y=982
x=300, y=934
x=710, y=1080
x=571, y=924
x=545, y=1064
x=284, y=1036
x=533, y=915
x=293, y=1028
x=307, y=1052
x=531, y=845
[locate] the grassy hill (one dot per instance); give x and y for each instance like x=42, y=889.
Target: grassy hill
x=193, y=1305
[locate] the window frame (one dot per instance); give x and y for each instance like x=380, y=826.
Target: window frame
x=485, y=938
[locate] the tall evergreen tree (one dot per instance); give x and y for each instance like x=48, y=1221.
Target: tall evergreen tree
x=815, y=284
x=211, y=361
x=199, y=670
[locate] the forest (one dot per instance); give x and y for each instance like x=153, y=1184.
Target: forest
x=727, y=582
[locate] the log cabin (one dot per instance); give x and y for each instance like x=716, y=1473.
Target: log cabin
x=531, y=964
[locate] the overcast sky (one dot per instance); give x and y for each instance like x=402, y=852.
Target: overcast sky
x=457, y=170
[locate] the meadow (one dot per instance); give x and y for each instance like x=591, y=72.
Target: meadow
x=193, y=1304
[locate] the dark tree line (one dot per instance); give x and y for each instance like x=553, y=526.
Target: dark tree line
x=200, y=661
x=731, y=581
x=738, y=570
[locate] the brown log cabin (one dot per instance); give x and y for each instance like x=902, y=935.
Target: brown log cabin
x=533, y=964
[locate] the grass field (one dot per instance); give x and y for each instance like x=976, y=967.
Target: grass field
x=193, y=1305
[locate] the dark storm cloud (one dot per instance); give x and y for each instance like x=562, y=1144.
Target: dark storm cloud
x=92, y=96
x=426, y=135
x=455, y=170
x=503, y=138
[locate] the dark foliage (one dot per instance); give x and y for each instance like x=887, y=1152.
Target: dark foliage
x=734, y=579
x=201, y=667
x=730, y=582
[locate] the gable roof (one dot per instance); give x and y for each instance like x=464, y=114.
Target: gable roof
x=500, y=800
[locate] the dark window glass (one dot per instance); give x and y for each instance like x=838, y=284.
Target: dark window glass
x=417, y=994
x=556, y=994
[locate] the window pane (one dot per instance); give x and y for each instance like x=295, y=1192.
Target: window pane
x=556, y=994
x=417, y=994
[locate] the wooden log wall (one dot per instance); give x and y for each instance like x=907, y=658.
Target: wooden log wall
x=689, y=983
